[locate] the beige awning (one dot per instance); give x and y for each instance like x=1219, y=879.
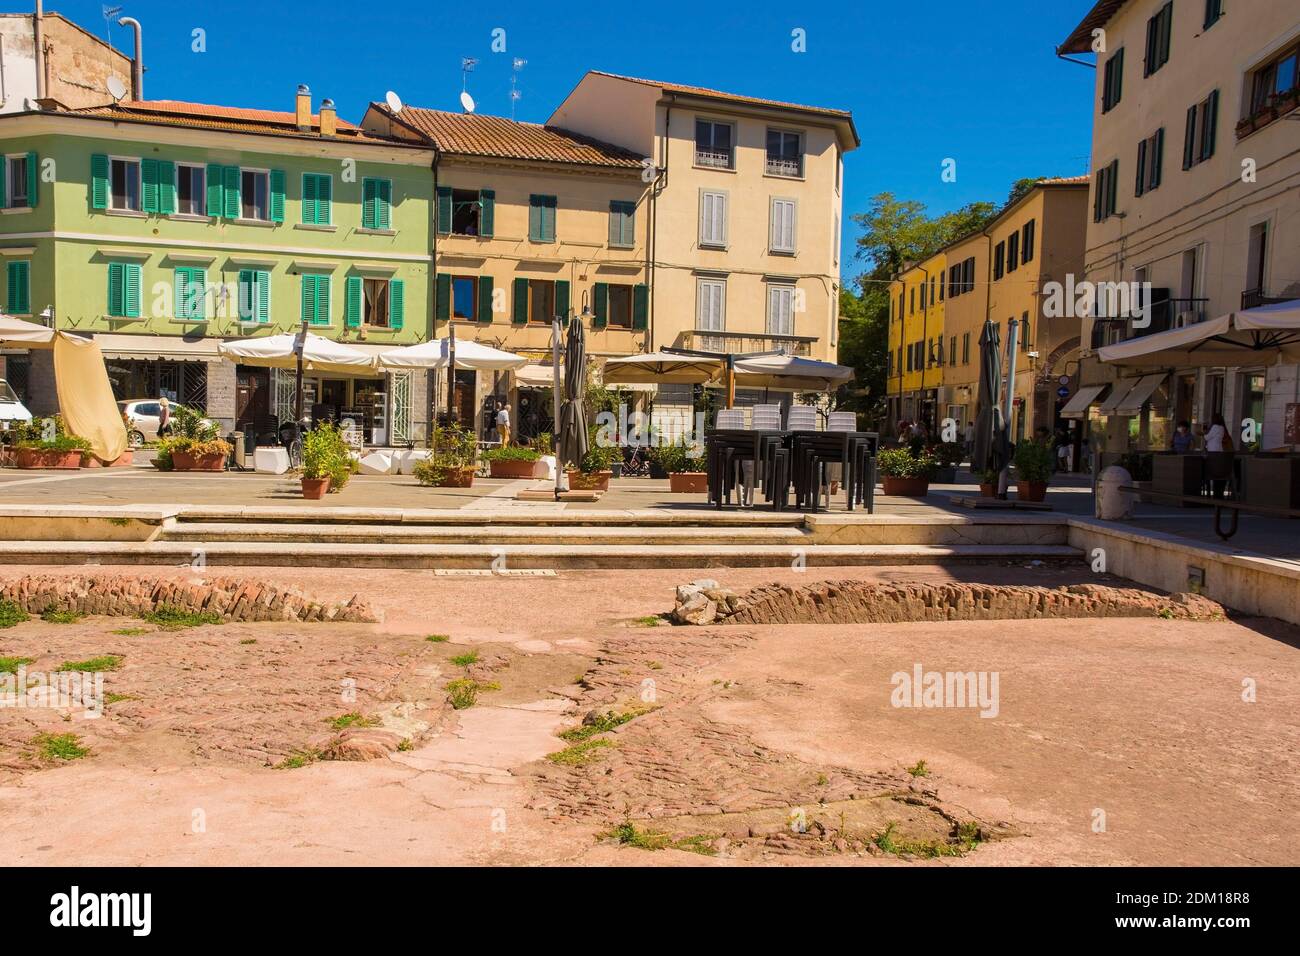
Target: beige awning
x=1118, y=392
x=537, y=376
x=1255, y=336
x=169, y=348
x=1081, y=401
x=1140, y=394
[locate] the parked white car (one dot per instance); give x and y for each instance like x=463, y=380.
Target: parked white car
x=143, y=414
x=12, y=411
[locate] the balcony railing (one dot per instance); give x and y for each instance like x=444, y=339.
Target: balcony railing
x=741, y=343
x=778, y=166
x=1254, y=298
x=719, y=158
x=1166, y=313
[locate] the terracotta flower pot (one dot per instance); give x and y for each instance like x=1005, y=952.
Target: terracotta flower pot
x=512, y=468
x=1031, y=490
x=989, y=491
x=688, y=482
x=457, y=478
x=185, y=461
x=589, y=481
x=315, y=488
x=906, y=487
x=48, y=458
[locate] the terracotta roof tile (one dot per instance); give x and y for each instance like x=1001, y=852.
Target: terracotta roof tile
x=475, y=134
x=734, y=97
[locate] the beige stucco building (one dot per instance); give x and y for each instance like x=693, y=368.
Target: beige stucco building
x=1195, y=193
x=73, y=67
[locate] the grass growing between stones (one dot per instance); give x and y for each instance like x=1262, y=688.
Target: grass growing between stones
x=106, y=662
x=131, y=631
x=919, y=769
x=438, y=638
x=56, y=615
x=628, y=833
x=298, y=758
x=966, y=837
x=11, y=614
x=111, y=698
x=463, y=692
x=650, y=620
x=172, y=618
x=464, y=660
x=59, y=746
x=10, y=665
x=580, y=754
x=353, y=719
x=603, y=723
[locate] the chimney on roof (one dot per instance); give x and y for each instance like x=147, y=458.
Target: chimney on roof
x=329, y=119
x=302, y=112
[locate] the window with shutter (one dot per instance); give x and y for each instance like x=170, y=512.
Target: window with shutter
x=99, y=181
x=783, y=226
x=519, y=302
x=640, y=307
x=315, y=299
x=190, y=286
x=444, y=210
x=230, y=189
x=215, y=202
x=485, y=300
x=352, y=301
x=713, y=219
x=541, y=218
x=317, y=193
x=376, y=204
x=622, y=218
x=124, y=289
x=600, y=304
x=149, y=174
x=487, y=217
x=1113, y=82
x=277, y=195
x=396, y=303
x=780, y=310
x=18, y=295
x=710, y=305
x=166, y=187
x=254, y=296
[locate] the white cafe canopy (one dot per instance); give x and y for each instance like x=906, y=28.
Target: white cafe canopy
x=18, y=333
x=1077, y=407
x=1264, y=335
x=1140, y=394
x=436, y=353
x=790, y=371
x=662, y=368
x=319, y=354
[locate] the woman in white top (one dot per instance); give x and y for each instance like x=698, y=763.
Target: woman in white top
x=1218, y=431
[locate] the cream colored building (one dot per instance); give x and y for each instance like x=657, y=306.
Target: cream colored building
x=1196, y=176
x=73, y=66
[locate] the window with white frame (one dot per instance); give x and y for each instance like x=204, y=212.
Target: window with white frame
x=16, y=182
x=781, y=233
x=784, y=153
x=711, y=311
x=124, y=182
x=255, y=195
x=714, y=144
x=191, y=186
x=780, y=310
x=713, y=218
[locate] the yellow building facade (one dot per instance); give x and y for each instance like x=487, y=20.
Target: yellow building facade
x=915, y=361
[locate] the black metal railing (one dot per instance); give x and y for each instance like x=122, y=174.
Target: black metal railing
x=740, y=343
x=1254, y=298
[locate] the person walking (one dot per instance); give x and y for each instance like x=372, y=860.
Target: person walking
x=1216, y=438
x=164, y=417
x=503, y=424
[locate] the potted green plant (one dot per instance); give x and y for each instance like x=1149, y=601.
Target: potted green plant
x=947, y=456
x=989, y=483
x=451, y=459
x=326, y=464
x=512, y=461
x=194, y=443
x=904, y=473
x=686, y=473
x=1033, y=461
x=45, y=443
x=593, y=471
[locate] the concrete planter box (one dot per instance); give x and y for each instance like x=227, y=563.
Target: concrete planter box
x=515, y=468
x=184, y=461
x=906, y=487
x=688, y=482
x=590, y=481
x=47, y=458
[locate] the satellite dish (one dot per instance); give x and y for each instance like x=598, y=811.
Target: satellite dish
x=394, y=101
x=116, y=88
x=467, y=101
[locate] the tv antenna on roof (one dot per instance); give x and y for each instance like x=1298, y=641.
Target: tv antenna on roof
x=467, y=64
x=116, y=88
x=518, y=64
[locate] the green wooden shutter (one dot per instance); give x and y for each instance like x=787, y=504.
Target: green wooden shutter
x=369, y=194
x=166, y=187
x=640, y=306
x=277, y=195
x=1189, y=141
x=309, y=298
x=216, y=200
x=444, y=210
x=99, y=181
x=180, y=293
x=263, y=296
x=600, y=306
x=562, y=300
x=519, y=303
x=19, y=300
x=33, y=180
x=1212, y=129
x=4, y=193
x=131, y=290
x=1140, y=186
x=442, y=298
x=230, y=186
x=1159, y=158
x=384, y=205
x=535, y=218
x=149, y=181
x=487, y=217
x=352, y=293
x=308, y=215
x=191, y=282
x=485, y=300
x=322, y=300
x=396, y=303
x=115, y=286
x=246, y=303
x=324, y=200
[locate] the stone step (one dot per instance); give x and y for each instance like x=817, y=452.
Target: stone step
x=517, y=557
x=488, y=535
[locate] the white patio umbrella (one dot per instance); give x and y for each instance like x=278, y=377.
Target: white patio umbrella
x=436, y=353
x=1268, y=333
x=319, y=354
x=790, y=371
x=19, y=333
x=667, y=368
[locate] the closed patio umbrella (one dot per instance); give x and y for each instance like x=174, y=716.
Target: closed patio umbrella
x=572, y=424
x=990, y=452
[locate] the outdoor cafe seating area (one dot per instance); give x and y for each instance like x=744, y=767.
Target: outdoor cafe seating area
x=790, y=461
x=1261, y=479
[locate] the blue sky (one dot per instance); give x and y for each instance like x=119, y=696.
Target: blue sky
x=925, y=82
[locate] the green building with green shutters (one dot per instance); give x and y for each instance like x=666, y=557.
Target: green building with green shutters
x=162, y=228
